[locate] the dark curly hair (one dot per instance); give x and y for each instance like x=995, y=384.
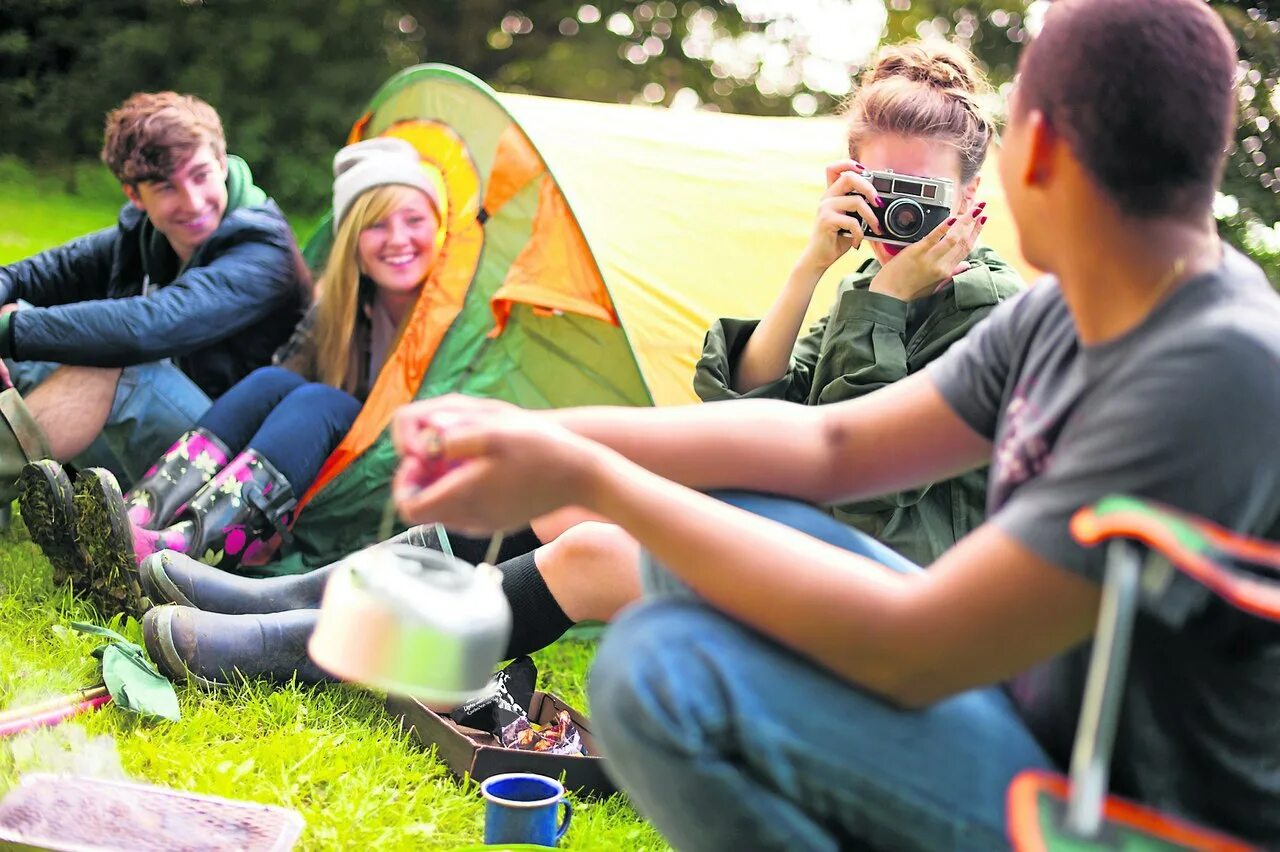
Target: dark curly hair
x=1143, y=92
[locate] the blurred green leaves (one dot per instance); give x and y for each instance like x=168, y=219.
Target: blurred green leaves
x=290, y=76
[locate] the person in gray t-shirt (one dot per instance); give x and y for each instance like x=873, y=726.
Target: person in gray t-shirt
x=1180, y=409
x=790, y=684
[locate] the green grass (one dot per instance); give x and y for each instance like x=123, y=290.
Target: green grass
x=330, y=752
x=38, y=211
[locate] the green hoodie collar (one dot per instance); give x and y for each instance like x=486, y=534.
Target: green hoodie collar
x=241, y=191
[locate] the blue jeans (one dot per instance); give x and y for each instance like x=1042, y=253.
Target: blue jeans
x=728, y=741
x=293, y=423
x=154, y=404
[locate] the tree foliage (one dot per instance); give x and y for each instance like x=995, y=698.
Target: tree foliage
x=289, y=76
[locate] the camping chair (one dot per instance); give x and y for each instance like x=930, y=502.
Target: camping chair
x=1147, y=545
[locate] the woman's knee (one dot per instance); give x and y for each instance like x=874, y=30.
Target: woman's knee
x=324, y=403
x=592, y=570
x=589, y=545
x=272, y=381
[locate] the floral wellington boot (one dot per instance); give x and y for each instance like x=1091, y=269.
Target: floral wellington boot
x=163, y=492
x=237, y=519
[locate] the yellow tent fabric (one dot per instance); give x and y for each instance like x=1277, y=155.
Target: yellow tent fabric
x=588, y=248
x=692, y=216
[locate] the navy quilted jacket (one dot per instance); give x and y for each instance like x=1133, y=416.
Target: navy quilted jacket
x=120, y=297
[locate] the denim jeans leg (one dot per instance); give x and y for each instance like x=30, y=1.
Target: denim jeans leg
x=241, y=411
x=655, y=580
x=154, y=404
x=303, y=430
x=726, y=740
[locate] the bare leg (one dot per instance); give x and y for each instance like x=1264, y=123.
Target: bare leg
x=592, y=569
x=550, y=526
x=72, y=406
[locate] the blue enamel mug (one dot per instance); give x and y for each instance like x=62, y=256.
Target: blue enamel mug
x=521, y=807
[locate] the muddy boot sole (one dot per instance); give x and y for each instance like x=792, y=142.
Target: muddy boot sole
x=46, y=498
x=106, y=536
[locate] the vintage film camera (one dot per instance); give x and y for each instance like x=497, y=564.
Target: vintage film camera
x=913, y=206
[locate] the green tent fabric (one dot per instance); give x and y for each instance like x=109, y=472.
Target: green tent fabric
x=516, y=308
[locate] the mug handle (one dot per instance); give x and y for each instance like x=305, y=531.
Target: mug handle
x=564, y=823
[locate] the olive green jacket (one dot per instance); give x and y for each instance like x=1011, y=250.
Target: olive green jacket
x=867, y=341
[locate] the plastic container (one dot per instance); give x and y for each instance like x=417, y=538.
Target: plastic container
x=73, y=814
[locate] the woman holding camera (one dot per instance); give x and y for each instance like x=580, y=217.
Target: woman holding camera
x=227, y=488
x=915, y=114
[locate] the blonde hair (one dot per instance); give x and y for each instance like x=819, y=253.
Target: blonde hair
x=930, y=89
x=339, y=285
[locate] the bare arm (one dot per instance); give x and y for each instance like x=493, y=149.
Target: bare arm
x=767, y=355
x=902, y=436
x=985, y=611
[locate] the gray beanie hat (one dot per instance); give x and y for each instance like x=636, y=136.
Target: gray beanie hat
x=381, y=161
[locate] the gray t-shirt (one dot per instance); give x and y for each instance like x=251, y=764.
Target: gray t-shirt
x=1183, y=409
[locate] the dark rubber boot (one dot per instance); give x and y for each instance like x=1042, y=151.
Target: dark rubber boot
x=214, y=650
x=21, y=441
x=239, y=515
x=171, y=577
x=45, y=496
x=163, y=492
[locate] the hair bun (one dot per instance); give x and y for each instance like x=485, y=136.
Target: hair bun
x=936, y=63
x=932, y=89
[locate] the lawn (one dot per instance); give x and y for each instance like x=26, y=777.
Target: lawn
x=330, y=752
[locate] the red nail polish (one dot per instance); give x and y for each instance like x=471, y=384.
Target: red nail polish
x=977, y=211
x=951, y=221
x=860, y=167
x=982, y=221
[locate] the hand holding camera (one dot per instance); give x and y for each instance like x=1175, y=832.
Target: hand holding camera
x=844, y=207
x=910, y=207
x=937, y=257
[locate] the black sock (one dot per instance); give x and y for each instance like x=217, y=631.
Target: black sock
x=514, y=544
x=536, y=619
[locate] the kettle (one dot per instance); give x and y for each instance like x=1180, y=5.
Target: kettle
x=413, y=621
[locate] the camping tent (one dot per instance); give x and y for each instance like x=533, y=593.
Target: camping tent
x=589, y=247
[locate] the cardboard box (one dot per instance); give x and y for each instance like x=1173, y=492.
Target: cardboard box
x=479, y=754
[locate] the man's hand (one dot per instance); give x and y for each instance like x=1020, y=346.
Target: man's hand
x=480, y=465
x=5, y=380
x=920, y=268
x=414, y=424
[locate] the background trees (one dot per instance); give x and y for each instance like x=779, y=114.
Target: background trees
x=289, y=76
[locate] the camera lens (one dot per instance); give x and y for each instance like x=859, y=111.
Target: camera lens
x=904, y=218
